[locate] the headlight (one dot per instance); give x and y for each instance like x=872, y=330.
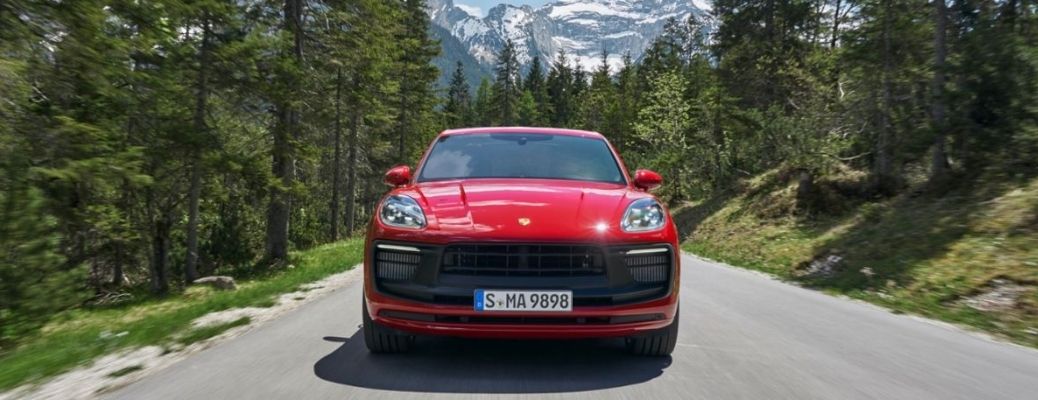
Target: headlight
x=402, y=212
x=643, y=215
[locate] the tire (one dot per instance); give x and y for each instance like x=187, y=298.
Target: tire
x=380, y=339
x=656, y=344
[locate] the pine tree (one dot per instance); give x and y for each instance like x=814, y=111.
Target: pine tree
x=458, y=98
x=626, y=102
x=143, y=141
x=995, y=73
x=580, y=81
x=35, y=279
x=79, y=132
x=939, y=160
x=368, y=55
x=529, y=115
x=560, y=90
x=507, y=86
x=482, y=104
x=416, y=76
x=663, y=55
x=286, y=130
x=538, y=88
x=211, y=17
x=599, y=105
x=758, y=43
x=888, y=53
x=664, y=123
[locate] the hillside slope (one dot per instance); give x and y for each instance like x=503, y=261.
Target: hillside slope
x=969, y=256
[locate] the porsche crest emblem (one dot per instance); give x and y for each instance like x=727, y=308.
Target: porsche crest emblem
x=524, y=221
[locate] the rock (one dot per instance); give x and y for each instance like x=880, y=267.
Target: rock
x=822, y=267
x=1000, y=295
x=107, y=335
x=218, y=282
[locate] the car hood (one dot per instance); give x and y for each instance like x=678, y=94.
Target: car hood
x=526, y=209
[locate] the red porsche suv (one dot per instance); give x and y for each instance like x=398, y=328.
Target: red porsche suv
x=521, y=233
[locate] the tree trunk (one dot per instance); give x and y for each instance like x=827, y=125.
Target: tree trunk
x=366, y=199
x=833, y=41
x=805, y=190
x=117, y=268
x=884, y=164
x=277, y=210
x=194, y=192
x=351, y=174
x=119, y=250
x=774, y=49
x=160, y=254
x=200, y=128
x=402, y=126
x=337, y=162
x=834, y=36
x=939, y=164
x=720, y=145
x=284, y=136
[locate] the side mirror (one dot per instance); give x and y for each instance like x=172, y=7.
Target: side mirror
x=647, y=180
x=398, y=176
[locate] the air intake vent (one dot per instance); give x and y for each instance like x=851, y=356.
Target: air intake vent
x=649, y=267
x=396, y=265
x=523, y=260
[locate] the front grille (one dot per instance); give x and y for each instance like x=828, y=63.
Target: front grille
x=649, y=268
x=523, y=260
x=396, y=265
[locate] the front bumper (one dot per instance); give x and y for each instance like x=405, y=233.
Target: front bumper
x=610, y=305
x=427, y=319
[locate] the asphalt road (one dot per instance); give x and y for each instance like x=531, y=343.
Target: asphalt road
x=743, y=336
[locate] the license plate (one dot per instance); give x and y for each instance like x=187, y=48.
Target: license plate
x=523, y=300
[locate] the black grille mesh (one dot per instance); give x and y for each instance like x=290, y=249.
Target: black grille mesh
x=395, y=265
x=523, y=260
x=649, y=268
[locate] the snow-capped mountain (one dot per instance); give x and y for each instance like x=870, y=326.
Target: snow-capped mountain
x=583, y=28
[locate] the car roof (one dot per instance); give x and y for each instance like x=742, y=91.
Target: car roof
x=522, y=129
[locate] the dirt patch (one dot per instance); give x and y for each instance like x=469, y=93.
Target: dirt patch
x=998, y=295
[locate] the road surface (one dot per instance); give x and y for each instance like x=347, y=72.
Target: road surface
x=743, y=336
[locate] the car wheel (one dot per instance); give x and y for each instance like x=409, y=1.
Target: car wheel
x=656, y=344
x=380, y=339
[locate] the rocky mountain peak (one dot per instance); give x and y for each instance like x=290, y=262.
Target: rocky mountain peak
x=583, y=28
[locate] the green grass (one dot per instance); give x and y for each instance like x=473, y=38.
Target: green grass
x=79, y=336
x=925, y=253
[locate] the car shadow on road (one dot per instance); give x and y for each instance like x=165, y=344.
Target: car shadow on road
x=450, y=365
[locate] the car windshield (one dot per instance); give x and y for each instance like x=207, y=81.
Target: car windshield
x=519, y=155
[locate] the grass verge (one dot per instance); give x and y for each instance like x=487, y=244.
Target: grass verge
x=206, y=332
x=915, y=253
x=79, y=336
